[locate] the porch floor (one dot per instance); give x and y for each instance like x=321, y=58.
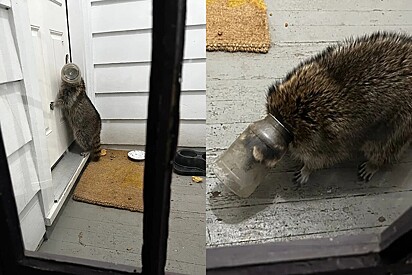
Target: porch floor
x=333, y=202
x=113, y=235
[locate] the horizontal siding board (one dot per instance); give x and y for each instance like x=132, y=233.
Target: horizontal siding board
x=121, y=16
x=9, y=62
x=13, y=117
x=5, y=3
x=135, y=77
x=133, y=46
x=121, y=34
x=32, y=225
x=134, y=105
x=121, y=132
x=135, y=15
x=23, y=175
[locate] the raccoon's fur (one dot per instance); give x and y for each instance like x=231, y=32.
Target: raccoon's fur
x=81, y=115
x=356, y=95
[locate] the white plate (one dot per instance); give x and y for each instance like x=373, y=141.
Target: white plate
x=136, y=155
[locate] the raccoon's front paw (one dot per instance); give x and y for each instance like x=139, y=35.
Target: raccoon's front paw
x=84, y=154
x=301, y=177
x=366, y=171
x=52, y=106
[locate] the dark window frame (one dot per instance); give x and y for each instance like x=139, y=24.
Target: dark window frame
x=364, y=254
x=161, y=142
x=387, y=253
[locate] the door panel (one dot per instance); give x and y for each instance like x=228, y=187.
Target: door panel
x=49, y=33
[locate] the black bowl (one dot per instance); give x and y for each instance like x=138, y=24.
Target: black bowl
x=190, y=162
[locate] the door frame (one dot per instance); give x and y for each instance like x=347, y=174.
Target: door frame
x=163, y=123
x=24, y=44
x=78, y=21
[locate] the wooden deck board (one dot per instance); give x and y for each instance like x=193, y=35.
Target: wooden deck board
x=108, y=234
x=333, y=202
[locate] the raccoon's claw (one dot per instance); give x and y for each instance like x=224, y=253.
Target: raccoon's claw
x=366, y=171
x=296, y=180
x=52, y=106
x=84, y=154
x=301, y=177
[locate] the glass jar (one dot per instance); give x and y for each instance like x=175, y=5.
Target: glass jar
x=238, y=169
x=70, y=73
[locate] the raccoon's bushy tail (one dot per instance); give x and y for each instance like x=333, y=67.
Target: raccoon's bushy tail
x=96, y=148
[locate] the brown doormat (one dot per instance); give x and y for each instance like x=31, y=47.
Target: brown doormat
x=113, y=181
x=237, y=25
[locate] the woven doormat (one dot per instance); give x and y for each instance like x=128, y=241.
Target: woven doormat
x=113, y=181
x=237, y=25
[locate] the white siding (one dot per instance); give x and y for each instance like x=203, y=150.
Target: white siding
x=17, y=135
x=121, y=53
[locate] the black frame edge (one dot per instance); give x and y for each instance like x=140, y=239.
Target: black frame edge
x=162, y=131
x=386, y=253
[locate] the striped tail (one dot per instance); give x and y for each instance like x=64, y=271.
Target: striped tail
x=96, y=148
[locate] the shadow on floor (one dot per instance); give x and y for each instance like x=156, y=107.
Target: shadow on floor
x=338, y=181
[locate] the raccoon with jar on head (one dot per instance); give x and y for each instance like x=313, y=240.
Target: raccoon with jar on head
x=353, y=96
x=79, y=111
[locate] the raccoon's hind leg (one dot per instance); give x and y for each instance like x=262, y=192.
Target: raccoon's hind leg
x=84, y=141
x=382, y=151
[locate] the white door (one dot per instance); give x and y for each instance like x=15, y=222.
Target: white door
x=50, y=39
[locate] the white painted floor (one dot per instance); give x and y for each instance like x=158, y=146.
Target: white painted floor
x=334, y=202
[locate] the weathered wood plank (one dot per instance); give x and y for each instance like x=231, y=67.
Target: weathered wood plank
x=221, y=136
x=249, y=66
x=349, y=232
x=323, y=184
x=114, y=235
x=336, y=5
x=237, y=110
x=333, y=202
x=305, y=34
x=287, y=164
x=332, y=21
x=71, y=249
x=182, y=247
x=263, y=223
x=110, y=255
x=177, y=223
x=355, y=18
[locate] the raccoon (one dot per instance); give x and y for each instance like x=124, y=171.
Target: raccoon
x=82, y=116
x=353, y=96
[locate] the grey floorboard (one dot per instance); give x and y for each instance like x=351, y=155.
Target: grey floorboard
x=333, y=202
x=113, y=235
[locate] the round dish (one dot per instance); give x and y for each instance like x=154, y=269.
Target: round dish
x=136, y=155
